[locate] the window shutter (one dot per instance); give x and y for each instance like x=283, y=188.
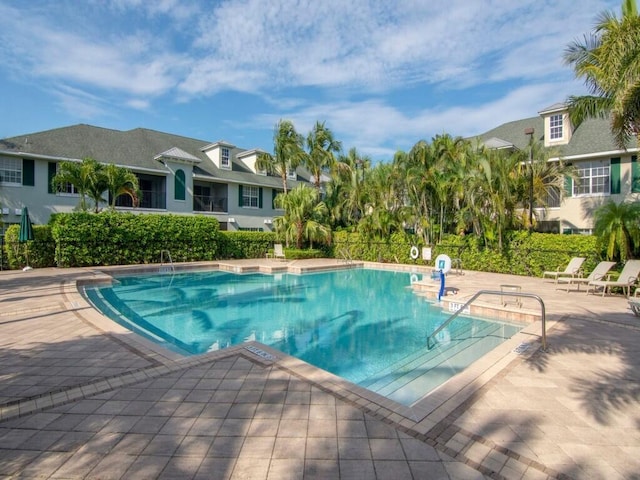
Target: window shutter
x=274, y=194
x=28, y=174
x=260, y=197
x=568, y=186
x=614, y=173
x=51, y=172
x=240, y=204
x=179, y=185
x=635, y=175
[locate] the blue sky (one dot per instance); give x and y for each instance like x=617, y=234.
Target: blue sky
x=382, y=75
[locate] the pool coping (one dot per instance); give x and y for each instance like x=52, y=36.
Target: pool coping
x=417, y=419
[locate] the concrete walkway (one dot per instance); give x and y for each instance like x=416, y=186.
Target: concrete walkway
x=81, y=397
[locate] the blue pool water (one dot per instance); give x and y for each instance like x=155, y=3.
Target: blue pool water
x=364, y=325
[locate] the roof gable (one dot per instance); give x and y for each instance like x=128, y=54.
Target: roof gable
x=176, y=154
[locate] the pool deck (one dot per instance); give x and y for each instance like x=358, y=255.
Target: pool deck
x=81, y=397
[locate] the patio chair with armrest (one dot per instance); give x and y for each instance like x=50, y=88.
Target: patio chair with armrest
x=571, y=270
x=628, y=276
x=597, y=273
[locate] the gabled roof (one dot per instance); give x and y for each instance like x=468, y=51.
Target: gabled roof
x=178, y=155
x=556, y=107
x=497, y=143
x=137, y=149
x=512, y=133
x=590, y=137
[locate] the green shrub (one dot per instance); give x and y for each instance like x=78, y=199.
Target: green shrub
x=523, y=254
x=41, y=250
x=115, y=238
x=245, y=244
x=295, y=254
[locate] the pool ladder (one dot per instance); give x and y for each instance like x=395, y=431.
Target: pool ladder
x=493, y=292
x=170, y=267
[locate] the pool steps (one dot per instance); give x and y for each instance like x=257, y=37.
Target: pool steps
x=411, y=378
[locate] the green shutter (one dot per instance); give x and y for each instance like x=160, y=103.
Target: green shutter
x=179, y=185
x=28, y=174
x=635, y=175
x=51, y=172
x=240, y=204
x=614, y=173
x=568, y=186
x=260, y=197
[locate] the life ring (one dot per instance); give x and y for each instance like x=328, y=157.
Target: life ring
x=413, y=278
x=414, y=252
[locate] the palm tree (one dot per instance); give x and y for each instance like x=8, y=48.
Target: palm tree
x=121, y=181
x=322, y=148
x=288, y=153
x=303, y=217
x=548, y=178
x=385, y=211
x=84, y=177
x=493, y=193
x=609, y=61
x=617, y=225
x=344, y=192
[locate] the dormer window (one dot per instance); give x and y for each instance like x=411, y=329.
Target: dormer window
x=555, y=127
x=225, y=158
x=291, y=173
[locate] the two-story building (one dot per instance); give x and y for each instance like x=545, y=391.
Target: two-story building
x=603, y=170
x=176, y=174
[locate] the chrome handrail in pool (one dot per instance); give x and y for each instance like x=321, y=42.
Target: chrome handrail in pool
x=495, y=292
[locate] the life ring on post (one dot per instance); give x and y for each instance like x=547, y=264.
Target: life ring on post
x=414, y=252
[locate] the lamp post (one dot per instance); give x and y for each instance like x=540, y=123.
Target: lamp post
x=530, y=131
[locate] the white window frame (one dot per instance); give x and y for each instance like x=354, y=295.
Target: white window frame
x=556, y=127
x=225, y=157
x=10, y=168
x=70, y=190
x=250, y=193
x=594, y=179
x=291, y=173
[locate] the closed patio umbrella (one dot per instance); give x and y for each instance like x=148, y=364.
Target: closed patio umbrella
x=26, y=233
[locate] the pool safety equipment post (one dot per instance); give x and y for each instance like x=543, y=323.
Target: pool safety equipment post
x=443, y=265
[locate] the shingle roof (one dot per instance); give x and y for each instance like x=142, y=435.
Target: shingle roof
x=591, y=136
x=135, y=148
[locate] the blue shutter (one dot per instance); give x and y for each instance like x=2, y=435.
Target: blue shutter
x=260, y=197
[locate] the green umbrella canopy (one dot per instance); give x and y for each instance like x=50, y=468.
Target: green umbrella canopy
x=26, y=231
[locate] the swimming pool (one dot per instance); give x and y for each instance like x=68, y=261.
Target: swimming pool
x=364, y=325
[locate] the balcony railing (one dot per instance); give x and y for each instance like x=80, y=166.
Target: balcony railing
x=205, y=203
x=148, y=199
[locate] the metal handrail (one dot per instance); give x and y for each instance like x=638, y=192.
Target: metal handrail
x=162, y=252
x=495, y=292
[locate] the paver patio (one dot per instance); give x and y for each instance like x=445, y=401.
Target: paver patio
x=80, y=397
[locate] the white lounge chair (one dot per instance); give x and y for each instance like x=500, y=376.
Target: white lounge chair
x=572, y=270
x=598, y=273
x=278, y=252
x=628, y=276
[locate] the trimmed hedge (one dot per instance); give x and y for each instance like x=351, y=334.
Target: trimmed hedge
x=245, y=244
x=41, y=250
x=524, y=253
x=115, y=238
x=394, y=250
x=110, y=238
